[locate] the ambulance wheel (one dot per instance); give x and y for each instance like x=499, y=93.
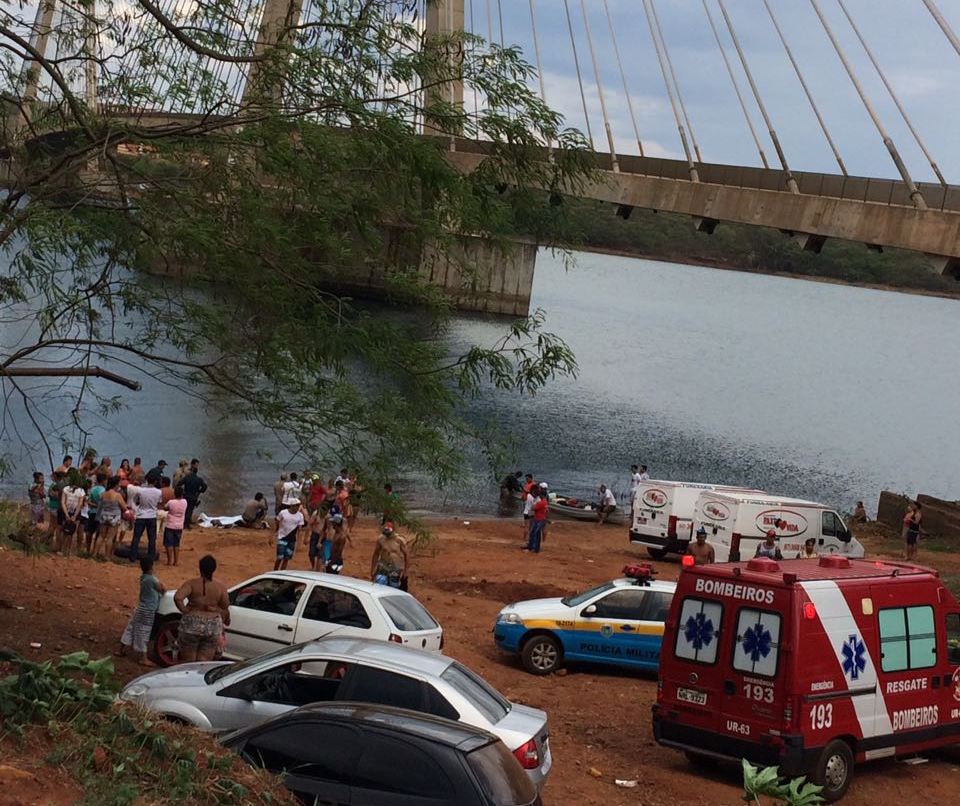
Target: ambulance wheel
x=657, y=554
x=699, y=760
x=834, y=770
x=541, y=654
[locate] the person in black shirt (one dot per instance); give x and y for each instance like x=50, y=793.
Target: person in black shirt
x=193, y=487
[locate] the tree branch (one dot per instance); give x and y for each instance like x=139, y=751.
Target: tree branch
x=70, y=372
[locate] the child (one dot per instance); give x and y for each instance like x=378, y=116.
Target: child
x=317, y=524
x=140, y=625
x=38, y=499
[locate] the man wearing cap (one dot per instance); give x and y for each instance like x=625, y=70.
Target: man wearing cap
x=388, y=566
x=769, y=548
x=701, y=551
x=154, y=474
x=289, y=522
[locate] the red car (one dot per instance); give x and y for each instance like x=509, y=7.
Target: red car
x=810, y=665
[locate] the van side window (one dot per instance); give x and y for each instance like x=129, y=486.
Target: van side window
x=908, y=638
x=698, y=630
x=758, y=642
x=953, y=638
x=830, y=527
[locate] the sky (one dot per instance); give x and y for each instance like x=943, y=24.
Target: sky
x=919, y=62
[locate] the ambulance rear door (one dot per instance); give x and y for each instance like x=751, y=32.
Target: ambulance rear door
x=652, y=503
x=760, y=622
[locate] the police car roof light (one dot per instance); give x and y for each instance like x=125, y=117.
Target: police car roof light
x=641, y=573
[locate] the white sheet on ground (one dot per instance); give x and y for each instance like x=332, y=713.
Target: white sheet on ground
x=207, y=521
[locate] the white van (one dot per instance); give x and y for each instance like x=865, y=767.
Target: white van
x=663, y=514
x=737, y=523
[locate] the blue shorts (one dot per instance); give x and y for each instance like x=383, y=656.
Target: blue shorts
x=171, y=538
x=285, y=549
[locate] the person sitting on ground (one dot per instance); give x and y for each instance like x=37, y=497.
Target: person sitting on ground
x=140, y=626
x=809, y=551
x=206, y=609
x=608, y=503
x=289, y=523
x=388, y=566
x=176, y=509
x=769, y=548
x=859, y=513
x=701, y=551
x=254, y=513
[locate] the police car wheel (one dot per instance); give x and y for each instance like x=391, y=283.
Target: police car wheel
x=834, y=770
x=657, y=554
x=541, y=655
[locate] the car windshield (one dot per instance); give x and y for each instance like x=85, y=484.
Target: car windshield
x=501, y=778
x=480, y=694
x=229, y=668
x=580, y=598
x=407, y=614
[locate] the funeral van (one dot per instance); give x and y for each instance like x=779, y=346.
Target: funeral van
x=663, y=514
x=737, y=522
x=812, y=666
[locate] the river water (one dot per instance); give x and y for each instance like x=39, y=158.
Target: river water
x=800, y=388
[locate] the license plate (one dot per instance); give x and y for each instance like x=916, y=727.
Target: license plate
x=689, y=695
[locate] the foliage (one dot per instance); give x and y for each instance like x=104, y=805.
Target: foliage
x=60, y=690
x=253, y=206
x=118, y=754
x=672, y=237
x=766, y=781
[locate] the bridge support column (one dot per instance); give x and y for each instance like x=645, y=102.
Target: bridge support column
x=481, y=275
x=945, y=265
x=445, y=17
x=279, y=18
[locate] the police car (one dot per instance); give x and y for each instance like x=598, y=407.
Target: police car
x=619, y=622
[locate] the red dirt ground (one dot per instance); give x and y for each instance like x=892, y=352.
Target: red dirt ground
x=599, y=718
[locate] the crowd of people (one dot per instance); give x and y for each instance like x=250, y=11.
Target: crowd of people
x=95, y=507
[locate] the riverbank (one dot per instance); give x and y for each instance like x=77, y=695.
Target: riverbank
x=715, y=264
x=599, y=718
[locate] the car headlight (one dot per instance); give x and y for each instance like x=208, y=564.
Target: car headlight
x=509, y=618
x=134, y=693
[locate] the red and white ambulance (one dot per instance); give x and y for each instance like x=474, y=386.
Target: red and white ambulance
x=810, y=665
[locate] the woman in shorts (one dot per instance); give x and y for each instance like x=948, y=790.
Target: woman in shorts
x=206, y=609
x=109, y=518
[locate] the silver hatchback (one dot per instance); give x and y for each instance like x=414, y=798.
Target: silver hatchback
x=222, y=696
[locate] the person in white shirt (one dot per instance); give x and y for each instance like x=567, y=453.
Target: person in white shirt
x=292, y=488
x=608, y=503
x=635, y=479
x=289, y=523
x=146, y=500
x=72, y=500
x=644, y=475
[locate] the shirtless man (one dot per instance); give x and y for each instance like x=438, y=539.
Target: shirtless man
x=388, y=565
x=701, y=551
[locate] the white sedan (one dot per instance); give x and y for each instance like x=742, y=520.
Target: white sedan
x=287, y=607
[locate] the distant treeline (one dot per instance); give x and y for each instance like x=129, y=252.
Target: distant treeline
x=673, y=237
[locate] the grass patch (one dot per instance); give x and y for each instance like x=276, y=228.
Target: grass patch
x=117, y=754
x=951, y=582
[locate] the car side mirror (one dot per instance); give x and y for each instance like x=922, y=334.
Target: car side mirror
x=590, y=610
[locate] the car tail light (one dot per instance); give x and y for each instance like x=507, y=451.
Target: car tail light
x=672, y=526
x=528, y=755
x=397, y=639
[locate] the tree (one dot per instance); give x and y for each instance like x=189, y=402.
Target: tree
x=252, y=163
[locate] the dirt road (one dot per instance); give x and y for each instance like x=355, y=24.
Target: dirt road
x=599, y=718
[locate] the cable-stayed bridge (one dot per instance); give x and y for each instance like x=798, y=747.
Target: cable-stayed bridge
x=70, y=47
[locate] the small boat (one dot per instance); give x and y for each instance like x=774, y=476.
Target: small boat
x=568, y=507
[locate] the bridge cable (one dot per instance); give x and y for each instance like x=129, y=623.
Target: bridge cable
x=806, y=89
x=791, y=182
x=623, y=76
x=576, y=64
x=476, y=100
x=915, y=194
x=536, y=51
x=490, y=39
x=736, y=86
x=944, y=25
x=691, y=167
x=500, y=16
x=893, y=94
x=596, y=76
x=676, y=84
